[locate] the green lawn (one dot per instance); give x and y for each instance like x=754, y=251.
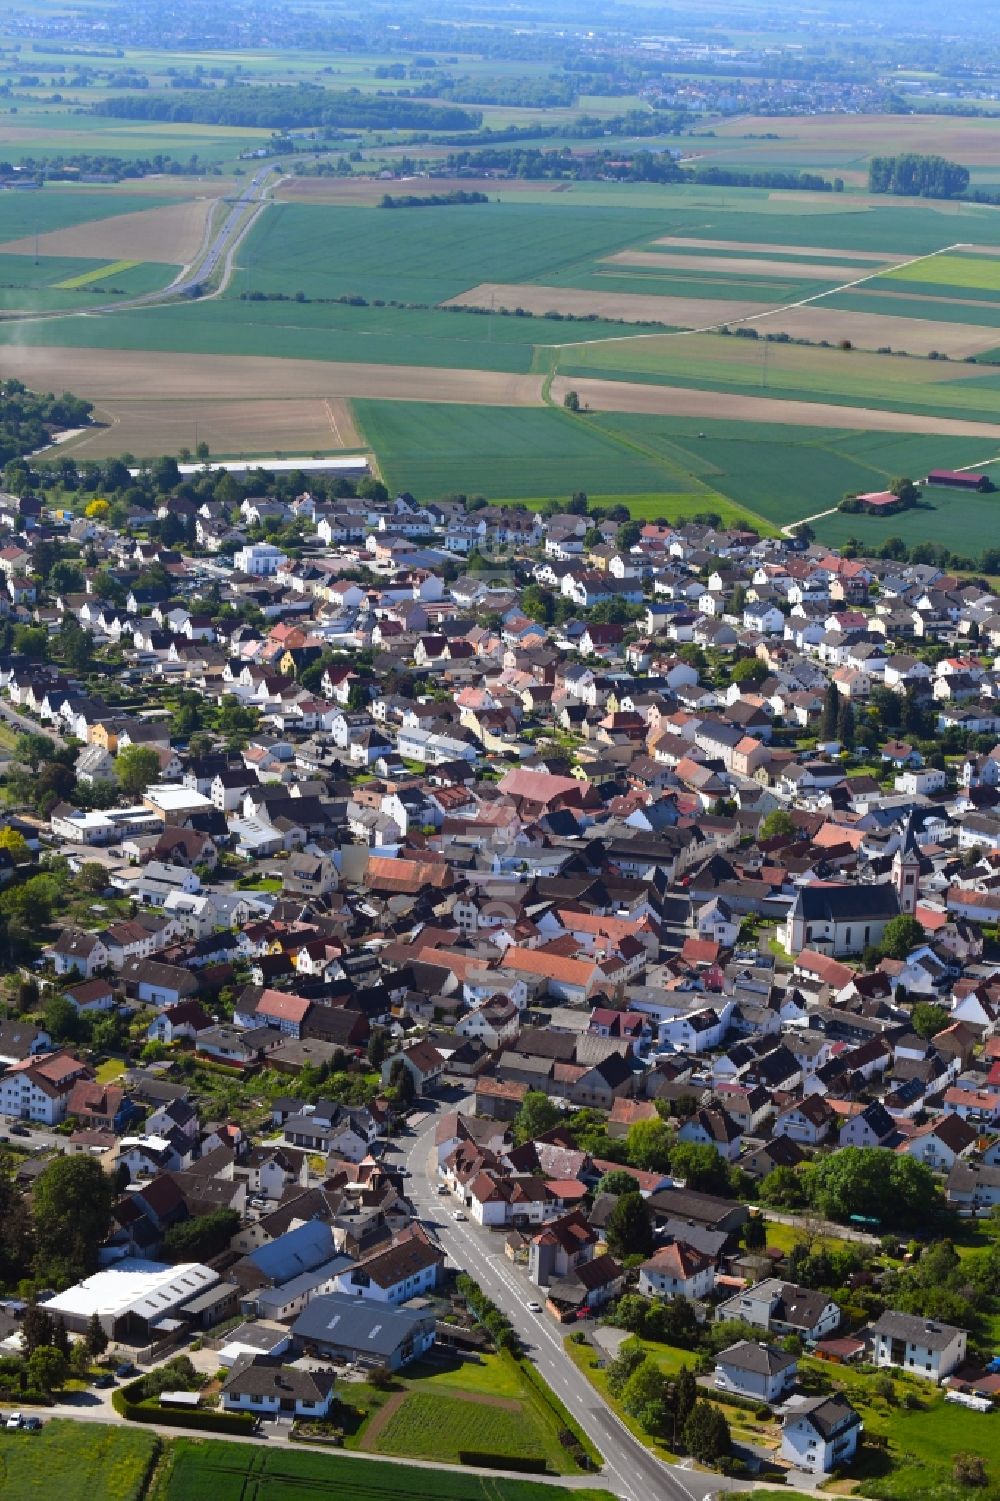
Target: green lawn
x=215, y=1471
x=68, y=1459
x=922, y=1439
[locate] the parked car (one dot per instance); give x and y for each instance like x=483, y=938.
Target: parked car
x=458, y=1215
x=15, y=1420
x=104, y=1381
x=125, y=1369
x=31, y=1424
x=18, y=1130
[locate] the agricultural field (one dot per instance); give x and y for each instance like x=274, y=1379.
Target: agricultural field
x=216, y=1471
x=150, y=426
x=55, y=283
x=427, y=364
x=171, y=232
x=76, y=1459
x=510, y=454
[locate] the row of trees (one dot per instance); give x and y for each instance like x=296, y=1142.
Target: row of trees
x=668, y=1407
x=915, y=175
x=285, y=107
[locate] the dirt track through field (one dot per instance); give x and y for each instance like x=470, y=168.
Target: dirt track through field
x=678, y=401
x=734, y=265
x=170, y=235
x=806, y=251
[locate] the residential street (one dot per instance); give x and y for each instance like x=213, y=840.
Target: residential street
x=631, y=1471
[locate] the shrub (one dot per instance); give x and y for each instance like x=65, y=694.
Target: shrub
x=969, y=1469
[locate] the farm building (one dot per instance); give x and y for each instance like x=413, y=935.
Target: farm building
x=879, y=503
x=134, y=1299
x=954, y=479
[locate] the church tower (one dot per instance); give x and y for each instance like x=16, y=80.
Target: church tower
x=906, y=869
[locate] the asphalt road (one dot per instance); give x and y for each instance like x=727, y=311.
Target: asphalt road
x=631, y=1471
x=226, y=236
x=28, y=726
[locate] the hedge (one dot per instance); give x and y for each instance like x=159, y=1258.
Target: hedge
x=541, y=1386
x=521, y=1463
x=208, y=1421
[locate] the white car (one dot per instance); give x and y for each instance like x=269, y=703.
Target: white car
x=534, y=1307
x=458, y=1215
x=15, y=1420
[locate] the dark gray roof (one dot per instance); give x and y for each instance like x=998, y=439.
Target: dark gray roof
x=357, y=1324
x=751, y=1355
x=915, y=1330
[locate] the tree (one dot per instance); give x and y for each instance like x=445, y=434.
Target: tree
x=782, y=1188
x=685, y=1396
x=62, y=1020
x=72, y=1209
x=15, y=844
x=779, y=823
x=628, y=535
x=630, y=1226
x=628, y=1360
x=33, y=749
x=37, y=1328
x=902, y=934
x=701, y=1166
x=95, y=1339
x=649, y=1144
x=831, y=711
x=706, y=1433
x=60, y=1337
x=644, y=1396
x=846, y=724
x=755, y=1235
x=537, y=1115
x=32, y=641
x=137, y=766
x=618, y=1181
x=571, y=401
x=48, y=1369
x=402, y=1084
x=748, y=670
x=377, y=1047
x=893, y=1189
x=928, y=1019
x=201, y=1238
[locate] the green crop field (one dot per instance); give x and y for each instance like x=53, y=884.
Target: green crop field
x=934, y=305
x=786, y=473
x=309, y=331
x=216, y=1471
x=507, y=452
x=793, y=371
x=966, y=523
x=426, y=254
x=53, y=283
x=951, y=271
x=70, y=1459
